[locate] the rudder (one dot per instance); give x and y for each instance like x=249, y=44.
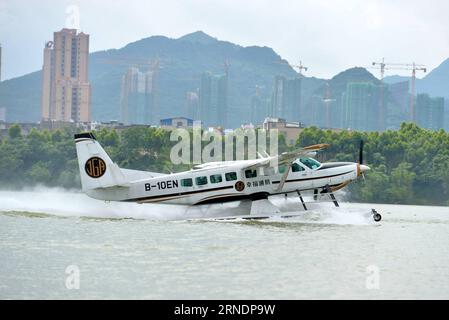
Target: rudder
x=97, y=170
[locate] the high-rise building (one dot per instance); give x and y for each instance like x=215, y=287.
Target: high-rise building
x=191, y=106
x=260, y=108
x=277, y=100
x=222, y=100
x=213, y=99
x=2, y=114
x=286, y=98
x=429, y=112
x=136, y=98
x=362, y=102
x=400, y=95
x=398, y=104
x=292, y=94
x=66, y=91
x=324, y=111
x=205, y=98
x=0, y=62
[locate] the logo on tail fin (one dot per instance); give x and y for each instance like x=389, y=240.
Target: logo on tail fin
x=95, y=167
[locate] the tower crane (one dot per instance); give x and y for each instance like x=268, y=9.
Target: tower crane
x=414, y=67
x=299, y=66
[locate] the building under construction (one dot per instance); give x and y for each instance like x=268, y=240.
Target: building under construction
x=361, y=104
x=137, y=98
x=286, y=99
x=429, y=112
x=213, y=99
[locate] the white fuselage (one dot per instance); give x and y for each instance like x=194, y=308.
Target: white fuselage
x=207, y=187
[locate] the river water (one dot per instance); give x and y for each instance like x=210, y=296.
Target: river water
x=56, y=244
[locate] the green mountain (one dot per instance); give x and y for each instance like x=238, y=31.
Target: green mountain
x=22, y=97
x=182, y=61
x=436, y=83
x=324, y=106
x=337, y=85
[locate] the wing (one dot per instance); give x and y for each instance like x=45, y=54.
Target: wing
x=289, y=157
x=285, y=157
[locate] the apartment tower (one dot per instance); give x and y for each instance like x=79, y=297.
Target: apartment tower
x=66, y=91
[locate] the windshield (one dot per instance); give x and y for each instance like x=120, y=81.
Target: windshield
x=310, y=163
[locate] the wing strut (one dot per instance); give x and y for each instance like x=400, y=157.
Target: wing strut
x=331, y=194
x=284, y=178
x=302, y=200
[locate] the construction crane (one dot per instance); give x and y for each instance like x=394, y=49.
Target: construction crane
x=299, y=66
x=382, y=66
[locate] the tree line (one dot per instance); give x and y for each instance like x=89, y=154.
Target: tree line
x=409, y=166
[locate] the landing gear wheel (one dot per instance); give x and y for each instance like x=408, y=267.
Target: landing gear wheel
x=376, y=216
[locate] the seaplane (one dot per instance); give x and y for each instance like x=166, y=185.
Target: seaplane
x=246, y=181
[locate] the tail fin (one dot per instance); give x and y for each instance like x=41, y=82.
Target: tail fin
x=97, y=170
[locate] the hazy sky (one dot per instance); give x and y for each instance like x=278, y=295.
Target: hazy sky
x=327, y=35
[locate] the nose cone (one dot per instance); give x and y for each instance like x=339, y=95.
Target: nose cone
x=364, y=168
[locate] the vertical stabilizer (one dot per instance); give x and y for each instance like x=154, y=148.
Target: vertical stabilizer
x=96, y=168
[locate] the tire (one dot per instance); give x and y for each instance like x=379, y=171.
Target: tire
x=377, y=217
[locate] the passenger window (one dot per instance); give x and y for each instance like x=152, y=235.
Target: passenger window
x=251, y=173
x=297, y=168
x=216, y=178
x=186, y=182
x=282, y=168
x=231, y=176
x=200, y=181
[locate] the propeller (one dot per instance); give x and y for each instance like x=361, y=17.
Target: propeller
x=360, y=161
x=361, y=152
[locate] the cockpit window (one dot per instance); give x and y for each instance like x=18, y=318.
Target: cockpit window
x=297, y=168
x=310, y=163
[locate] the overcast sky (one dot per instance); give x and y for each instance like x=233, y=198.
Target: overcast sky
x=327, y=35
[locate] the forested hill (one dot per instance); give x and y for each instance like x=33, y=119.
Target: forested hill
x=409, y=166
x=182, y=61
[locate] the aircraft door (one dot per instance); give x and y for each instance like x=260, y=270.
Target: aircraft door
x=302, y=176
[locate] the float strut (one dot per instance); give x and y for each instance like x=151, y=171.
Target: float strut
x=315, y=194
x=302, y=200
x=329, y=190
